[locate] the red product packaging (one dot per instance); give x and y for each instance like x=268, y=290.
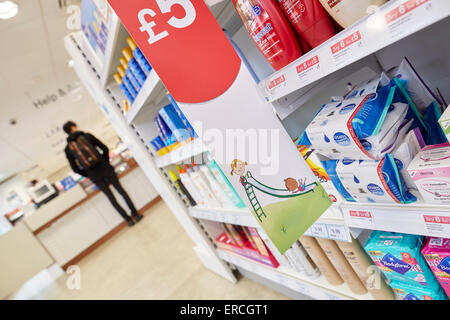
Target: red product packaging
x=309, y=19
x=270, y=31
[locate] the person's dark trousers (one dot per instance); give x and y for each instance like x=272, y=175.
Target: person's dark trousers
x=103, y=184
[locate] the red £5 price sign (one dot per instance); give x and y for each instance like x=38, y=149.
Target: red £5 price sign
x=184, y=44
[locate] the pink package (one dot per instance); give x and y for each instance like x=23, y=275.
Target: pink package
x=437, y=253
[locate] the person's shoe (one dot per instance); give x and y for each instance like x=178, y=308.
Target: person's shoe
x=138, y=217
x=130, y=223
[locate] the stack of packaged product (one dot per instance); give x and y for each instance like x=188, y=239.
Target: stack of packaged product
x=285, y=29
x=132, y=71
x=206, y=186
x=246, y=242
x=174, y=129
x=367, y=139
x=400, y=259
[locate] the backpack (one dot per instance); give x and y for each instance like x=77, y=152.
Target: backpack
x=86, y=155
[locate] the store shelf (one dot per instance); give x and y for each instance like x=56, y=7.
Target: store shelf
x=392, y=22
x=152, y=86
x=415, y=218
x=318, y=288
x=328, y=228
x=191, y=149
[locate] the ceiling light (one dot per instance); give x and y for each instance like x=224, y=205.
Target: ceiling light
x=8, y=9
x=71, y=63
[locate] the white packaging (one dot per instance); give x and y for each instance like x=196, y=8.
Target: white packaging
x=193, y=191
x=216, y=188
x=203, y=188
x=430, y=170
x=444, y=121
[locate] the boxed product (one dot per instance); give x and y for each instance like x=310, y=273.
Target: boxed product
x=437, y=253
x=362, y=127
x=406, y=291
x=169, y=140
x=430, y=171
x=398, y=256
x=159, y=146
x=224, y=243
x=175, y=124
x=369, y=181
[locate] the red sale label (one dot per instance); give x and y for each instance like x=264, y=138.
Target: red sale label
x=436, y=219
x=307, y=64
x=403, y=9
x=344, y=43
x=185, y=45
x=276, y=82
x=360, y=214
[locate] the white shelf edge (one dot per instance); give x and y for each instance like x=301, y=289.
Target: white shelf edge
x=375, y=35
x=191, y=149
x=318, y=288
x=144, y=96
x=328, y=228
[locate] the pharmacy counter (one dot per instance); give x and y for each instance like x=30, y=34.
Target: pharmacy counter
x=75, y=223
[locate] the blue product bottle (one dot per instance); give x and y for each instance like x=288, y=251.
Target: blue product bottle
x=129, y=86
x=137, y=71
x=122, y=87
x=139, y=56
x=182, y=116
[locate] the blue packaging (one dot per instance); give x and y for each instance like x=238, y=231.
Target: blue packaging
x=369, y=180
x=434, y=134
x=158, y=143
x=330, y=168
x=129, y=74
x=126, y=92
x=129, y=86
x=137, y=71
x=398, y=256
x=180, y=113
x=165, y=131
x=176, y=125
x=406, y=291
x=142, y=61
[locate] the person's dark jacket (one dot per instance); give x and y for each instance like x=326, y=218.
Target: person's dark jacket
x=101, y=169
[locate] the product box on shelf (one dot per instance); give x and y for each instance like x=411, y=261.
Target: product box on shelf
x=247, y=250
x=406, y=291
x=398, y=256
x=176, y=124
x=437, y=253
x=430, y=170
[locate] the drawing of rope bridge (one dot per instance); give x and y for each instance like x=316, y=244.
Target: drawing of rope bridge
x=251, y=183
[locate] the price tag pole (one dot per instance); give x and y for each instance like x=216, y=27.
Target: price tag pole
x=198, y=65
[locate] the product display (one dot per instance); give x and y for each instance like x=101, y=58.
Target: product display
x=321, y=260
x=347, y=12
x=270, y=31
x=365, y=270
x=309, y=19
x=330, y=76
x=437, y=253
x=398, y=256
x=342, y=266
x=430, y=171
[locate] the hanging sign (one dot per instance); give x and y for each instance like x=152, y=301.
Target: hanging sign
x=196, y=62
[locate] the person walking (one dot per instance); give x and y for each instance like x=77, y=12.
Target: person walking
x=89, y=157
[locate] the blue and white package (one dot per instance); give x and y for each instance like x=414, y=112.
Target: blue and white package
x=398, y=256
x=330, y=168
x=165, y=131
x=137, y=71
x=158, y=143
x=137, y=86
x=129, y=86
x=337, y=129
x=370, y=181
x=182, y=116
x=127, y=93
x=174, y=122
x=406, y=291
x=142, y=61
